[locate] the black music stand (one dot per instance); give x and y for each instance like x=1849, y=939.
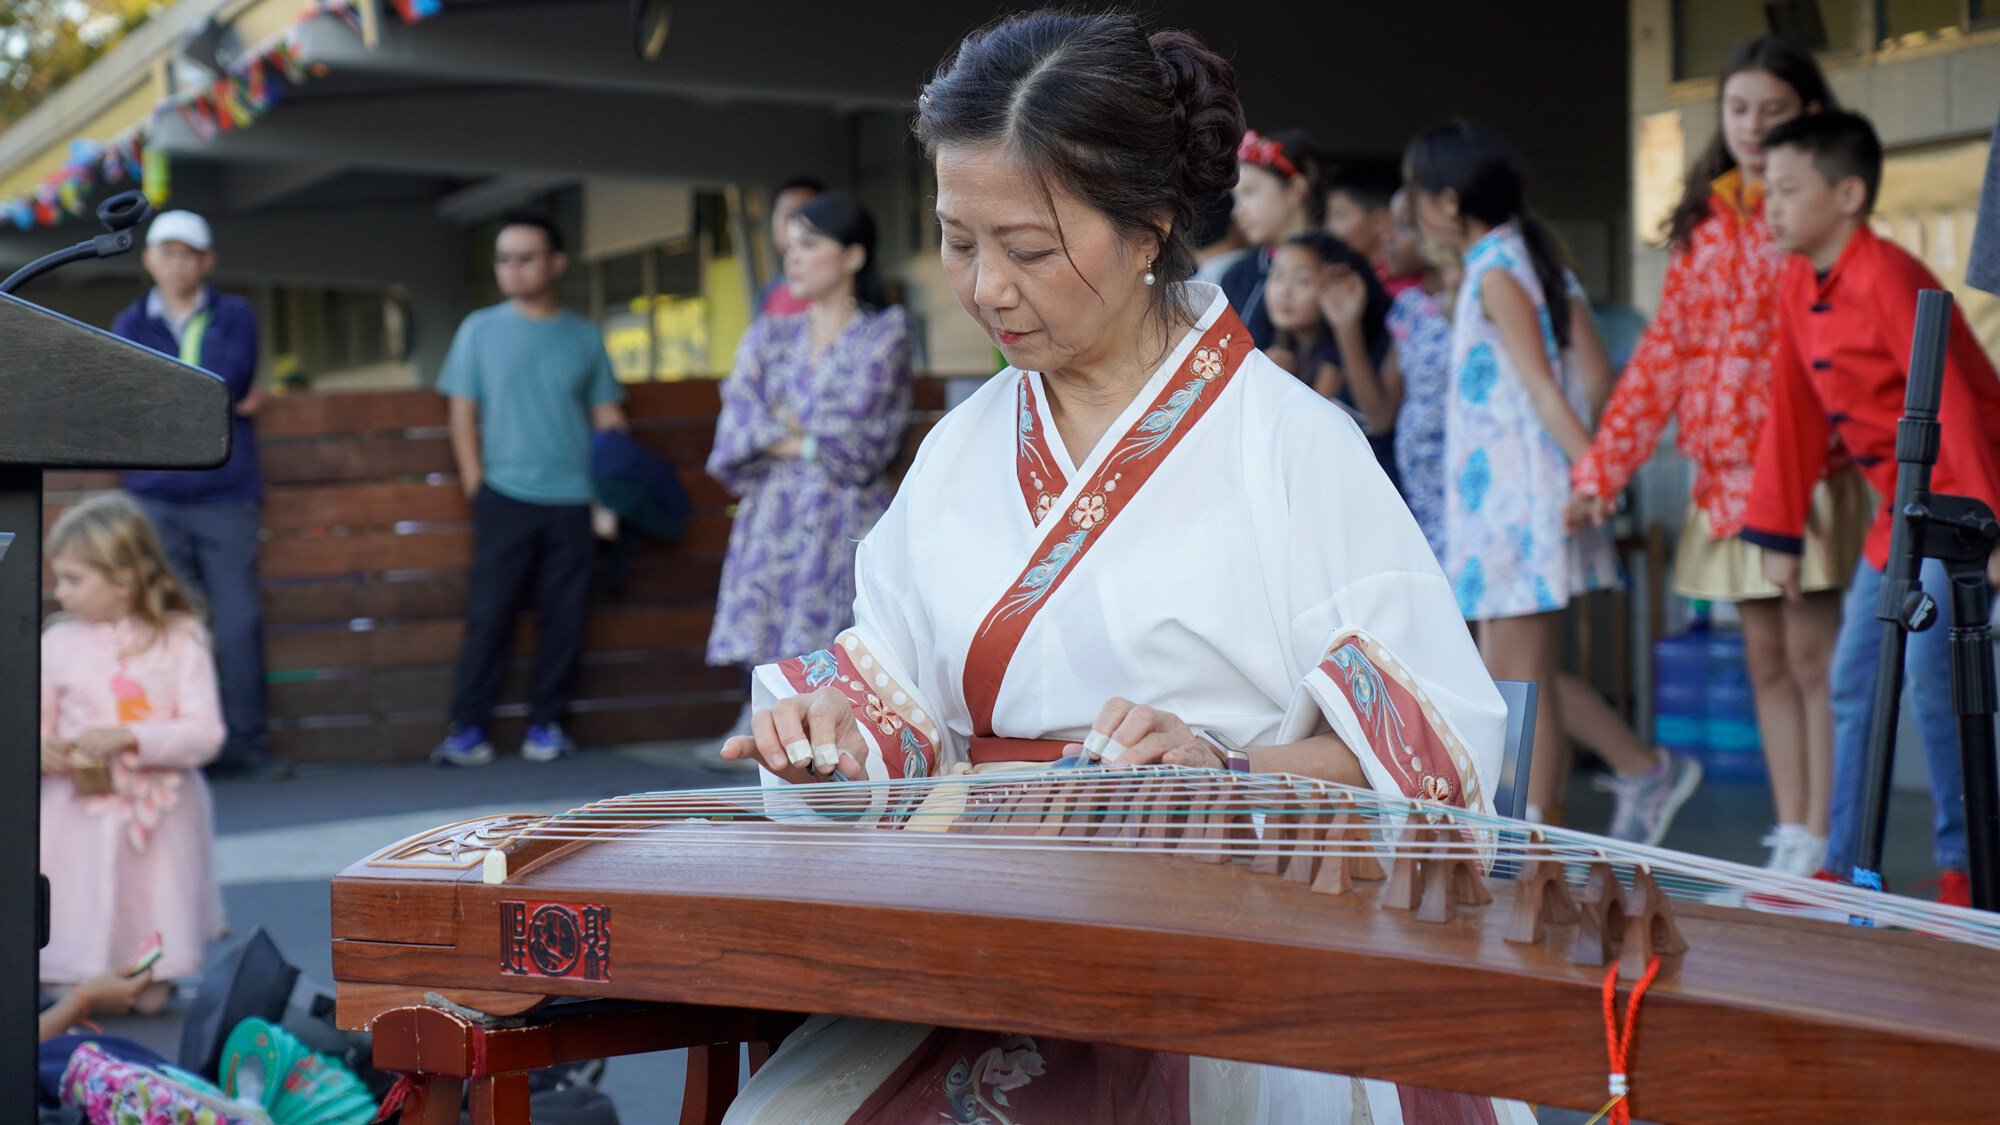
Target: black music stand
x=1961, y=532
x=71, y=397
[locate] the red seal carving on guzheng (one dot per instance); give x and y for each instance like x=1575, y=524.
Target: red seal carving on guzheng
x=555, y=939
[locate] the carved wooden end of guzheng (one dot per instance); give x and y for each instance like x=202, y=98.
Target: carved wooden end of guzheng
x=1266, y=919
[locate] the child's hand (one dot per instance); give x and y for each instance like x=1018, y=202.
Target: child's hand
x=1585, y=510
x=100, y=743
x=1993, y=568
x=1343, y=295
x=55, y=757
x=112, y=993
x=1783, y=571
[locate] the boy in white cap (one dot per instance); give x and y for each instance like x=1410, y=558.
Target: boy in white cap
x=208, y=519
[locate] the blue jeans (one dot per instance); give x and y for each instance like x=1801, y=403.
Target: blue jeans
x=213, y=548
x=1927, y=675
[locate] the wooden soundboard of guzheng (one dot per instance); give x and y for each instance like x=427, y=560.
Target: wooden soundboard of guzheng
x=1108, y=916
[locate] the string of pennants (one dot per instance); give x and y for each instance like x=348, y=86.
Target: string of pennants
x=253, y=83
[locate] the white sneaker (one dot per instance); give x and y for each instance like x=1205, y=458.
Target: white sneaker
x=1646, y=803
x=1808, y=855
x=1794, y=850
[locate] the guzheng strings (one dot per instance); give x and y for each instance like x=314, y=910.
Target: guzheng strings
x=1196, y=814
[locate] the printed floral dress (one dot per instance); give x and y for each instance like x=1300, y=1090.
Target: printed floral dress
x=788, y=580
x=1507, y=552
x=1423, y=350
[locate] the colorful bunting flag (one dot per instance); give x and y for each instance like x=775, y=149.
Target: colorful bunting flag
x=417, y=11
x=155, y=181
x=231, y=102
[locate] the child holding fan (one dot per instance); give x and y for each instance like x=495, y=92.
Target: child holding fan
x=130, y=713
x=1513, y=423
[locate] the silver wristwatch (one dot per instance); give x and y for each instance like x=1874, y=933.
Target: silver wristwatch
x=1233, y=756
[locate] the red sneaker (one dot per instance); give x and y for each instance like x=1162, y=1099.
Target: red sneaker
x=1779, y=904
x=1954, y=888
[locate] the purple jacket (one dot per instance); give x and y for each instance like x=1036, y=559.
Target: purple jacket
x=228, y=351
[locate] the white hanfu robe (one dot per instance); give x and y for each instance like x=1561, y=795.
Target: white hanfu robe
x=1230, y=552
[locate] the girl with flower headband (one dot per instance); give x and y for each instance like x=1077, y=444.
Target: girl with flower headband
x=1277, y=195
x=130, y=713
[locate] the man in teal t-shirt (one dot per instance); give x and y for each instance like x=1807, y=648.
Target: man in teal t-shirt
x=529, y=384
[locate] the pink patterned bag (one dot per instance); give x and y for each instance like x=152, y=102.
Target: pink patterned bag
x=111, y=1091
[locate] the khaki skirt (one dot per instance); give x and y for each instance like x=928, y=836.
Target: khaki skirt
x=1732, y=570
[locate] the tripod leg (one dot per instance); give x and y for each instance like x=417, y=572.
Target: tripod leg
x=1886, y=712
x=1973, y=698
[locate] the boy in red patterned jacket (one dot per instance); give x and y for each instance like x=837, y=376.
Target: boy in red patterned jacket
x=1847, y=306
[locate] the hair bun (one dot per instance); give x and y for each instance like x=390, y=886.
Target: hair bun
x=1208, y=120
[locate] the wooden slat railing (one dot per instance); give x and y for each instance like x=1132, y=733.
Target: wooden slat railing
x=366, y=542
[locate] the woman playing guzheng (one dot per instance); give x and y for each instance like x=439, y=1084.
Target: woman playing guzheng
x=1143, y=541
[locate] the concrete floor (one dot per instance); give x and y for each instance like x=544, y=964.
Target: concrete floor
x=279, y=842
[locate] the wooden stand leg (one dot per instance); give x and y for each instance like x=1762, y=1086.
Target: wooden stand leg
x=499, y=1099
x=435, y=1102
x=711, y=1083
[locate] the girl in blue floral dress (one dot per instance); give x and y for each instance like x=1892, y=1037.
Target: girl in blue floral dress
x=1514, y=420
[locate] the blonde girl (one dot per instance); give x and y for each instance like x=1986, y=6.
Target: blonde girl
x=130, y=713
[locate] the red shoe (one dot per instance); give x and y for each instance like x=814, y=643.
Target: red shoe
x=1779, y=904
x=1954, y=888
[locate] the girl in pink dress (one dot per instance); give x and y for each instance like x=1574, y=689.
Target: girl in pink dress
x=130, y=713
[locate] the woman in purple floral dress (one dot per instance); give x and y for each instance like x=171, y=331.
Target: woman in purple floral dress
x=811, y=417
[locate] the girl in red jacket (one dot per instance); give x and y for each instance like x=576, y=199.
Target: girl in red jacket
x=1706, y=361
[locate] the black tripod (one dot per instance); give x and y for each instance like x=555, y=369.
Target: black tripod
x=1961, y=533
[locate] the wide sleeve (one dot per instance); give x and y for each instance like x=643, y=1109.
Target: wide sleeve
x=1647, y=395
x=1378, y=652
x=857, y=420
x=191, y=736
x=1791, y=455
x=747, y=426
x=876, y=663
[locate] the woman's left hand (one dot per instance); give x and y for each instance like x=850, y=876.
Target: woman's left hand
x=101, y=743
x=1132, y=734
x=1343, y=295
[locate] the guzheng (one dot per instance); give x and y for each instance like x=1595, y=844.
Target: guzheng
x=1264, y=918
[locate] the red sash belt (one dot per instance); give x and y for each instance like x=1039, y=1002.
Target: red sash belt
x=986, y=750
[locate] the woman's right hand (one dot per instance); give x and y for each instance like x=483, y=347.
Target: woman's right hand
x=824, y=720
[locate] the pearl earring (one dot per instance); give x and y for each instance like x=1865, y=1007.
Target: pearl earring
x=1149, y=273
